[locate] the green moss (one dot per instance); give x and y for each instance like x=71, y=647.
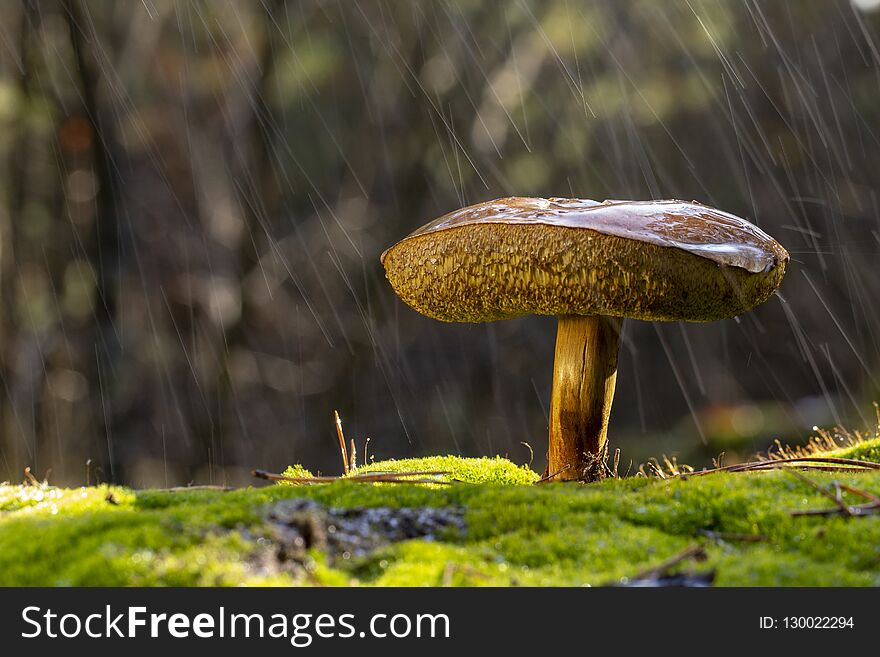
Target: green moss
x=469, y=470
x=296, y=470
x=868, y=450
x=553, y=534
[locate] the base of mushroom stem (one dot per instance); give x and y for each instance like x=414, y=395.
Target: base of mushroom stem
x=592, y=468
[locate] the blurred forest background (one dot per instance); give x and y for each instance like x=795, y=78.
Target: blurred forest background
x=194, y=197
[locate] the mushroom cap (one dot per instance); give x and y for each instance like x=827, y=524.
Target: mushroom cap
x=651, y=260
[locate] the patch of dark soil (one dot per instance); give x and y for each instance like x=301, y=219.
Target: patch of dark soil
x=679, y=580
x=295, y=526
x=663, y=575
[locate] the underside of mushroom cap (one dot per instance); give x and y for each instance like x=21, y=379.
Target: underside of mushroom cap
x=663, y=260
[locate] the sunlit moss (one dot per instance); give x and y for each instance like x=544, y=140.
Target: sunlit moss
x=547, y=535
x=868, y=450
x=297, y=470
x=469, y=470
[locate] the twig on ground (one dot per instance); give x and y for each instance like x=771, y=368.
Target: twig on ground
x=448, y=572
x=855, y=510
x=658, y=472
x=858, y=491
x=823, y=463
x=182, y=489
x=451, y=568
x=531, y=452
x=834, y=498
x=30, y=478
x=841, y=507
x=414, y=477
x=728, y=536
x=695, y=552
x=341, y=437
x=550, y=476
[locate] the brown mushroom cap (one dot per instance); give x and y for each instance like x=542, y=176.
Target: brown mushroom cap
x=651, y=260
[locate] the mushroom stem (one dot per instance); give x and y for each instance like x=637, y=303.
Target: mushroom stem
x=584, y=374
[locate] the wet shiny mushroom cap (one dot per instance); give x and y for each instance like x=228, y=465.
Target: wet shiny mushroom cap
x=651, y=260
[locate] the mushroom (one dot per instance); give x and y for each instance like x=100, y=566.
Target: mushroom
x=590, y=264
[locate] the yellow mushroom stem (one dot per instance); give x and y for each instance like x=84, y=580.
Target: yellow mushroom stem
x=584, y=374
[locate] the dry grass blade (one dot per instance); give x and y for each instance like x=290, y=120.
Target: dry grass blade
x=695, y=552
x=844, y=509
x=531, y=452
x=841, y=507
x=553, y=474
x=855, y=510
x=415, y=477
x=186, y=489
x=825, y=441
x=439, y=482
x=655, y=468
x=408, y=473
x=341, y=437
x=811, y=468
x=826, y=463
x=668, y=467
x=451, y=568
x=861, y=493
x=30, y=478
x=729, y=536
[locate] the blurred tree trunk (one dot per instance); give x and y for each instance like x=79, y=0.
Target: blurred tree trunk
x=19, y=445
x=103, y=250
x=259, y=195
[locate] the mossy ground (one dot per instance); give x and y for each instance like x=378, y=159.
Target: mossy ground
x=555, y=534
x=868, y=450
x=470, y=471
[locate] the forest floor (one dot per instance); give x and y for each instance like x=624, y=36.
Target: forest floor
x=492, y=527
